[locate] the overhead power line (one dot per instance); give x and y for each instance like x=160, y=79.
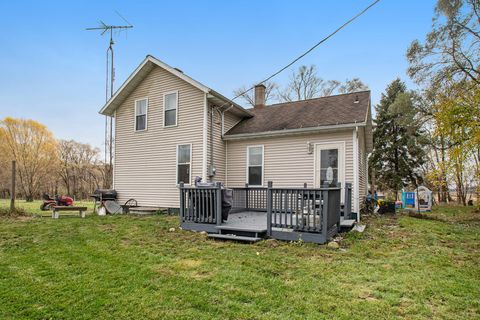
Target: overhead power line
x=311, y=49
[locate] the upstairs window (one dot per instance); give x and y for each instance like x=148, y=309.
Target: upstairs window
x=170, y=108
x=255, y=165
x=184, y=160
x=141, y=107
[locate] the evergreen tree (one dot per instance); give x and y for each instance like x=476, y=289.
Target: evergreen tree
x=398, y=140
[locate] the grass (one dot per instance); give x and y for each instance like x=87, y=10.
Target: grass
x=129, y=267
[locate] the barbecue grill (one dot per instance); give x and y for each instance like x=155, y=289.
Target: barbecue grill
x=104, y=194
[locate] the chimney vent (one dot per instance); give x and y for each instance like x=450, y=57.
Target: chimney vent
x=259, y=96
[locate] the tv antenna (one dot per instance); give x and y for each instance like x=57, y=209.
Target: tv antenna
x=109, y=90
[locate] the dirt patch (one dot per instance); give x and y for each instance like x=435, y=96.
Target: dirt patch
x=188, y=263
x=201, y=275
x=419, y=215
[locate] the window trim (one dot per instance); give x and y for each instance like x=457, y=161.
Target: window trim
x=176, y=109
x=135, y=115
x=248, y=165
x=190, y=163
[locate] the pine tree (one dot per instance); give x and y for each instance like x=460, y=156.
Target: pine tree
x=398, y=141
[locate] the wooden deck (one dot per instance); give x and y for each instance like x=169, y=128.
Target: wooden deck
x=291, y=214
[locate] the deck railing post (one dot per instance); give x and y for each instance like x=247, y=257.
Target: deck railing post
x=269, y=208
x=247, y=206
x=325, y=212
x=218, y=204
x=182, y=202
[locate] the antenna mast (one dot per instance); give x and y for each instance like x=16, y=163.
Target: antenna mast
x=109, y=90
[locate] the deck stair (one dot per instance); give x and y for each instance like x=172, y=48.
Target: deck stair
x=347, y=223
x=238, y=233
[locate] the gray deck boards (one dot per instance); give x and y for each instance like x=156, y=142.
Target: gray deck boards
x=247, y=220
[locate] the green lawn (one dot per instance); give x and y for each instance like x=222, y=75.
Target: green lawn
x=128, y=267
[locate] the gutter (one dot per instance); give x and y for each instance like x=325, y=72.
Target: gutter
x=275, y=133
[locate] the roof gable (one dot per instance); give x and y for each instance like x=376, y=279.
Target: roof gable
x=143, y=70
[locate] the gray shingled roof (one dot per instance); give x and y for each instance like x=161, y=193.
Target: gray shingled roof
x=318, y=112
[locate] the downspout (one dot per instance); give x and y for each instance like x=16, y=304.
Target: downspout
x=114, y=150
x=210, y=171
x=205, y=128
x=226, y=143
x=356, y=197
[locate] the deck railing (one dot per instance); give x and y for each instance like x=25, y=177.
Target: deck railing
x=249, y=199
x=201, y=205
x=300, y=210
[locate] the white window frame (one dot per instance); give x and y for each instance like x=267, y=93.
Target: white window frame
x=248, y=165
x=176, y=109
x=190, y=163
x=135, y=115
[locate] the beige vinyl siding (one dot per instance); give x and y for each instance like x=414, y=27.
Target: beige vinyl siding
x=219, y=146
x=286, y=160
x=230, y=120
x=145, y=162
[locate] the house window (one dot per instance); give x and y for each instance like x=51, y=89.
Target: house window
x=141, y=114
x=329, y=167
x=170, y=107
x=184, y=161
x=255, y=165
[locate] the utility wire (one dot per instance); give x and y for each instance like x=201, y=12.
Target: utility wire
x=311, y=49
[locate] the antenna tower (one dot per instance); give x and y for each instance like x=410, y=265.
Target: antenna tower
x=109, y=90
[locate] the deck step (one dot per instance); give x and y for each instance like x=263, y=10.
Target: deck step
x=233, y=237
x=242, y=228
x=348, y=223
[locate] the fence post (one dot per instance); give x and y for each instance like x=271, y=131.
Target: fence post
x=12, y=191
x=246, y=197
x=325, y=212
x=182, y=202
x=218, y=204
x=269, y=208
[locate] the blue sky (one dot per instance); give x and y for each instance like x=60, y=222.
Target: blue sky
x=53, y=71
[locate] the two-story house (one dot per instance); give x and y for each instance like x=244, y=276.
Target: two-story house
x=171, y=128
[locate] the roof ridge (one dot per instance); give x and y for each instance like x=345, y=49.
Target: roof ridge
x=314, y=99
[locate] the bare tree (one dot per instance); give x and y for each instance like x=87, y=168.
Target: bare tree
x=248, y=95
x=452, y=49
x=79, y=169
x=352, y=85
x=306, y=84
